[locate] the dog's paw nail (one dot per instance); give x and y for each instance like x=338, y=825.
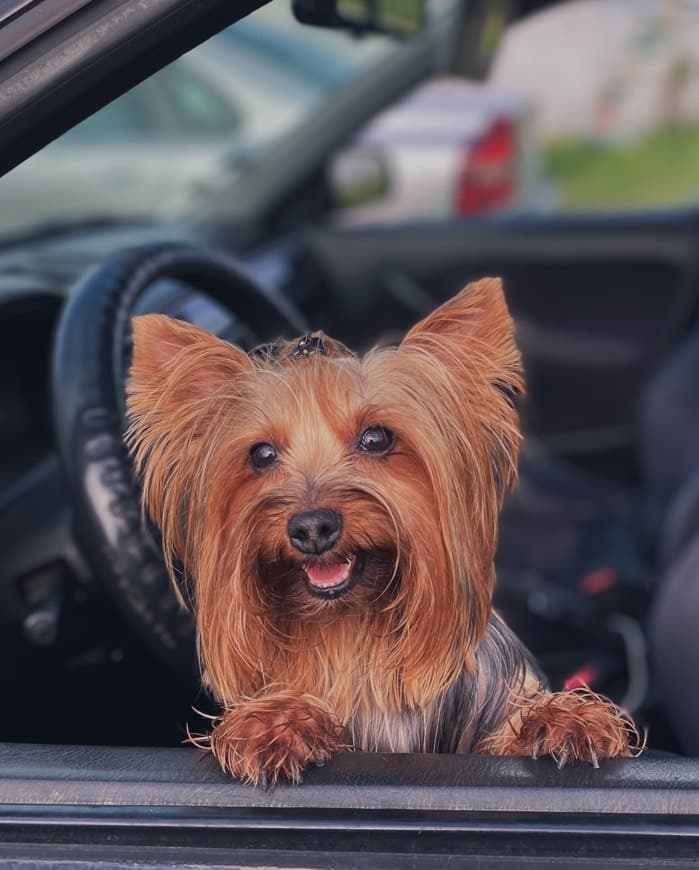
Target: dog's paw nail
x=594, y=759
x=563, y=758
x=536, y=749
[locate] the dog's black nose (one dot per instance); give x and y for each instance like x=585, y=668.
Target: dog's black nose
x=315, y=531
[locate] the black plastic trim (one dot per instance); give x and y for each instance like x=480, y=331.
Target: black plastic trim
x=25, y=20
x=184, y=777
x=173, y=807
x=13, y=8
x=90, y=58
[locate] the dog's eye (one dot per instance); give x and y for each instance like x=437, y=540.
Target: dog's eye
x=376, y=439
x=262, y=455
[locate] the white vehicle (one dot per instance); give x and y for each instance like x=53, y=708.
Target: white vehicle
x=450, y=148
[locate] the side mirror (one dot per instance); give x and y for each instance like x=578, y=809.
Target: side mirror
x=392, y=17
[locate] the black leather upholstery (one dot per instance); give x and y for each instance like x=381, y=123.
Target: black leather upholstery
x=669, y=445
x=670, y=452
x=171, y=808
x=674, y=634
x=681, y=523
x=149, y=777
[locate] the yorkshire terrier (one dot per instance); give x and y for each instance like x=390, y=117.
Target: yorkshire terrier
x=337, y=517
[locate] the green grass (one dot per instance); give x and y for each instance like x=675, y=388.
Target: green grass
x=660, y=169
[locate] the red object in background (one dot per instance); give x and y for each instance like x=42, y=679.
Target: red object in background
x=598, y=581
x=585, y=676
x=488, y=178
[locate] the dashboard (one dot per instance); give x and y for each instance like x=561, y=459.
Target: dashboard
x=26, y=330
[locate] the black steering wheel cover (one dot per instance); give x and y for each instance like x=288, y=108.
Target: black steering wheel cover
x=89, y=369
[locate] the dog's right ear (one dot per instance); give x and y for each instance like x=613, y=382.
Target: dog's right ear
x=177, y=362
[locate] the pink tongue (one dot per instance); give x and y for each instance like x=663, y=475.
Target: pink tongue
x=327, y=575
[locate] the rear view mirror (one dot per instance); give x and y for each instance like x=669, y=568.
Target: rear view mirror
x=392, y=17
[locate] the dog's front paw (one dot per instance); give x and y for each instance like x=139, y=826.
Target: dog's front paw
x=275, y=737
x=568, y=726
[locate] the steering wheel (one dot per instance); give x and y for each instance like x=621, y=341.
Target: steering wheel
x=91, y=359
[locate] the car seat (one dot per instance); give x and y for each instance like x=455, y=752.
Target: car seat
x=671, y=452
x=567, y=538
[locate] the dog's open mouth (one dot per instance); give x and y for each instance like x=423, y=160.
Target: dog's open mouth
x=332, y=578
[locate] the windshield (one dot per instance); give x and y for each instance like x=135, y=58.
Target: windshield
x=590, y=105
x=158, y=149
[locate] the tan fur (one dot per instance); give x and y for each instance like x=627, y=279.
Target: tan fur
x=288, y=730
x=390, y=657
x=570, y=726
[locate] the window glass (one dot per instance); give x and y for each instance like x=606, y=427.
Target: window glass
x=197, y=105
x=589, y=105
x=124, y=118
x=167, y=148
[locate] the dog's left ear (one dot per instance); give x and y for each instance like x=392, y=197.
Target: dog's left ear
x=473, y=335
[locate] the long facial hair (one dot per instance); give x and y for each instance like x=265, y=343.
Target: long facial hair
x=424, y=518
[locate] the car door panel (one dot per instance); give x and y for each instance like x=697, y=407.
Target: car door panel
x=171, y=808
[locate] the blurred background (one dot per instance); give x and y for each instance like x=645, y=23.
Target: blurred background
x=607, y=120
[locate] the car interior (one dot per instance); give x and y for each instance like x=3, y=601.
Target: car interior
x=599, y=544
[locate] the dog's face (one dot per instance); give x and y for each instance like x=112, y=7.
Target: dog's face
x=325, y=470
x=300, y=488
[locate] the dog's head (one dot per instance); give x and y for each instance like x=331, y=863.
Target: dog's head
x=307, y=486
